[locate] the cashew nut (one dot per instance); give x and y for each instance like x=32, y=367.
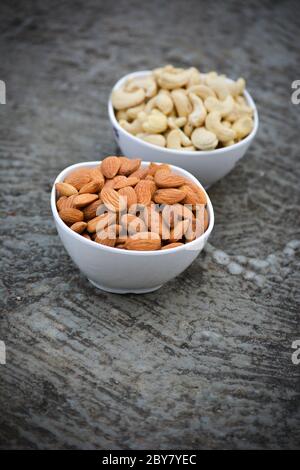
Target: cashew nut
x=164, y=102
x=176, y=139
x=224, y=107
x=203, y=139
x=155, y=123
x=184, y=109
x=132, y=113
x=148, y=84
x=197, y=117
x=182, y=103
x=213, y=124
x=242, y=127
x=203, y=91
x=171, y=80
x=175, y=123
x=155, y=139
x=122, y=99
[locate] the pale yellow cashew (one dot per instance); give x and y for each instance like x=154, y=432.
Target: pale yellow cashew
x=219, y=85
x=155, y=123
x=188, y=129
x=203, y=91
x=182, y=103
x=175, y=123
x=122, y=114
x=132, y=113
x=148, y=84
x=203, y=139
x=164, y=102
x=122, y=99
x=134, y=127
x=242, y=127
x=172, y=80
x=176, y=139
x=239, y=111
x=196, y=78
x=238, y=87
x=213, y=124
x=155, y=139
x=224, y=107
x=197, y=117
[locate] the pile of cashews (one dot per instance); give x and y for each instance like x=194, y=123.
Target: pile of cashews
x=184, y=109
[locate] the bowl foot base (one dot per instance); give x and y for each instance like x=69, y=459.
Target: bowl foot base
x=124, y=291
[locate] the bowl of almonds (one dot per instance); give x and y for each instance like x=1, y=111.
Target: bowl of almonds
x=202, y=122
x=129, y=225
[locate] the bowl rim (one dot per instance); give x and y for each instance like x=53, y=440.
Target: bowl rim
x=98, y=246
x=191, y=153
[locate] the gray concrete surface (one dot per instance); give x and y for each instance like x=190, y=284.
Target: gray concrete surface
x=206, y=361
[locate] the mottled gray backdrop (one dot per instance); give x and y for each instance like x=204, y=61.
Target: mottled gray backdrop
x=206, y=361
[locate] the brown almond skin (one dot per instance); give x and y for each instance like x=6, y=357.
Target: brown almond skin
x=78, y=178
x=112, y=199
x=79, y=227
x=165, y=179
x=178, y=232
x=110, y=166
x=90, y=211
x=91, y=188
x=143, y=241
x=192, y=196
x=100, y=222
x=65, y=189
x=130, y=195
x=83, y=200
x=169, y=196
x=141, y=173
x=144, y=192
x=129, y=165
x=70, y=216
x=60, y=202
x=172, y=245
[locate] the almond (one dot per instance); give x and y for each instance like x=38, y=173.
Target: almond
x=71, y=215
x=143, y=241
x=128, y=165
x=130, y=195
x=78, y=178
x=79, y=227
x=141, y=173
x=192, y=195
x=169, y=196
x=92, y=187
x=110, y=166
x=83, y=200
x=65, y=189
x=123, y=182
x=100, y=222
x=96, y=175
x=60, y=202
x=113, y=200
x=144, y=192
x=154, y=167
x=176, y=212
x=172, y=245
x=165, y=179
x=69, y=202
x=90, y=211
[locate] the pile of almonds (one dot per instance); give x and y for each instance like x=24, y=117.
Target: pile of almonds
x=122, y=205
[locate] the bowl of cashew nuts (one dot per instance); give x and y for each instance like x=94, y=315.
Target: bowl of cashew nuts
x=202, y=122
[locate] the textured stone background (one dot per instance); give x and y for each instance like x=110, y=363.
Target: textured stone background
x=206, y=361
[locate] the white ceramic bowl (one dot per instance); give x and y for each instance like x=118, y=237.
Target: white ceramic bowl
x=123, y=271
x=208, y=166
